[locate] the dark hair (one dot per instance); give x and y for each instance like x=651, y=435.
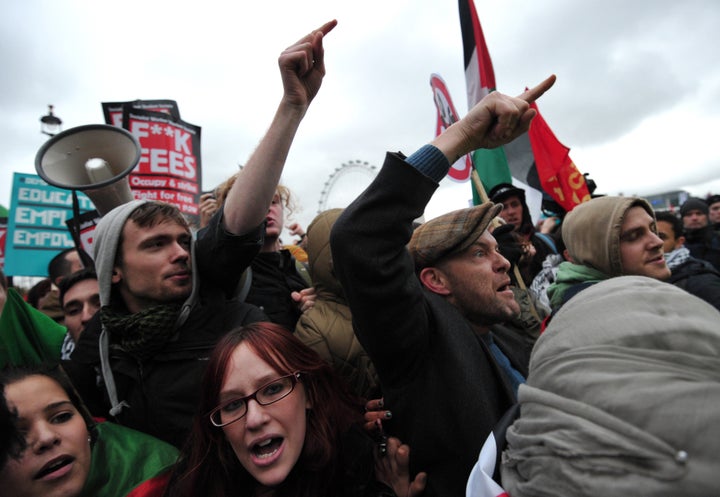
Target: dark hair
x=70, y=281
x=13, y=374
x=38, y=291
x=12, y=442
x=59, y=265
x=674, y=222
x=3, y=280
x=209, y=466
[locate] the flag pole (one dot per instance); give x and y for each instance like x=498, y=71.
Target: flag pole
x=479, y=186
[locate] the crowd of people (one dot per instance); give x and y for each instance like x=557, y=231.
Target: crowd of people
x=375, y=357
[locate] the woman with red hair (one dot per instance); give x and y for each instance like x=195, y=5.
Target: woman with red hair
x=278, y=421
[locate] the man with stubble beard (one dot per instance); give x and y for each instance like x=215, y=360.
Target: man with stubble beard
x=425, y=313
x=608, y=237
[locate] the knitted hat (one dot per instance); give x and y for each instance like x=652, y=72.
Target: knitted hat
x=713, y=199
x=693, y=203
x=450, y=233
x=105, y=246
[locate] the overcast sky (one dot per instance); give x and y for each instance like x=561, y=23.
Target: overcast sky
x=637, y=98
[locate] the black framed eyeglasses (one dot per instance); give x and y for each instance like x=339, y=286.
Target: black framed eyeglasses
x=271, y=392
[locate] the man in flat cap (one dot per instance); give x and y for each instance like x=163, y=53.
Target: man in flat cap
x=423, y=304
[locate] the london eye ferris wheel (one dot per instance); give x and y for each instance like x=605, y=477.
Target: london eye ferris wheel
x=345, y=183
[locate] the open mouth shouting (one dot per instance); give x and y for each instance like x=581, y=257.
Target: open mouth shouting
x=267, y=450
x=505, y=287
x=55, y=468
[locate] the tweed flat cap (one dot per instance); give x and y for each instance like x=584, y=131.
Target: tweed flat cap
x=450, y=233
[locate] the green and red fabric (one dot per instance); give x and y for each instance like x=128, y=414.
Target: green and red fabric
x=27, y=336
x=128, y=463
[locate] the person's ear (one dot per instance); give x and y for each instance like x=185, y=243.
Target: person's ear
x=679, y=241
x=116, y=275
x=435, y=280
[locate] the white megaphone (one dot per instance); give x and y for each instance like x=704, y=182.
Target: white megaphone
x=95, y=159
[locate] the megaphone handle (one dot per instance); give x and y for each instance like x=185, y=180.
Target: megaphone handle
x=74, y=228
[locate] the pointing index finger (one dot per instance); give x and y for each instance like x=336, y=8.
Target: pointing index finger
x=536, y=92
x=327, y=27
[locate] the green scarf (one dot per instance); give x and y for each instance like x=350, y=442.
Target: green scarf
x=569, y=275
x=27, y=336
x=126, y=462
x=143, y=333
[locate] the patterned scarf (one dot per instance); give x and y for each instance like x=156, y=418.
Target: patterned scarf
x=143, y=333
x=677, y=257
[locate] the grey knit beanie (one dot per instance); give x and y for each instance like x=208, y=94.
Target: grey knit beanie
x=694, y=203
x=105, y=245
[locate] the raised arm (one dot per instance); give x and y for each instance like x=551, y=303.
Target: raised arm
x=369, y=239
x=302, y=68
x=496, y=120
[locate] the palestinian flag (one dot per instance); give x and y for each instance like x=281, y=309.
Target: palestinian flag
x=490, y=164
x=517, y=161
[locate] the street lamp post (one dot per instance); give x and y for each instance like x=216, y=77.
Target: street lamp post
x=50, y=124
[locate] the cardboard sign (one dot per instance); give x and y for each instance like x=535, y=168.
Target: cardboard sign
x=113, y=111
x=37, y=228
x=169, y=168
x=170, y=164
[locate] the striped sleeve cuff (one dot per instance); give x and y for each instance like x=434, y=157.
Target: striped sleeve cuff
x=430, y=161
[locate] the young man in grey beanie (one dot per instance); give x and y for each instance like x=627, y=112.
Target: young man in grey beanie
x=165, y=295
x=424, y=311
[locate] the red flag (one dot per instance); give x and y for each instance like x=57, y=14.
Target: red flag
x=557, y=172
